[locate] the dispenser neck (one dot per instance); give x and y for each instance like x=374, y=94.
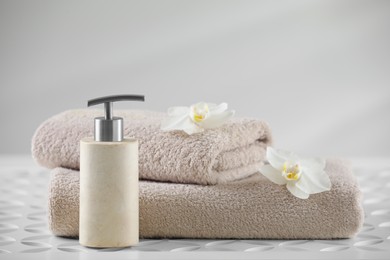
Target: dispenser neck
x=108, y=110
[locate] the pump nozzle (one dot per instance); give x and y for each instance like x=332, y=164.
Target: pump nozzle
x=110, y=128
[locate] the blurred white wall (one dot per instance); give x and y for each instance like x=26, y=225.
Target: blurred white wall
x=317, y=71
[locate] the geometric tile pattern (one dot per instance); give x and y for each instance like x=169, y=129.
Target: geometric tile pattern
x=24, y=233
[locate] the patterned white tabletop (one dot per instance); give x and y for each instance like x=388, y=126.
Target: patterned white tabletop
x=24, y=233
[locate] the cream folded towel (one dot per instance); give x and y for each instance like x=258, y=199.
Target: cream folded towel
x=249, y=208
x=233, y=151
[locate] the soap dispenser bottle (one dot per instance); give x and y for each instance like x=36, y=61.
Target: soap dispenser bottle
x=109, y=214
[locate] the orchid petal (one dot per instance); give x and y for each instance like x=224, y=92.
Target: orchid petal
x=178, y=111
x=216, y=120
x=193, y=129
x=272, y=174
x=314, y=181
x=216, y=109
x=314, y=163
x=173, y=123
x=182, y=122
x=275, y=159
x=289, y=156
x=297, y=192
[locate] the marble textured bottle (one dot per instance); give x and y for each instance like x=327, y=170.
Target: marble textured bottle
x=109, y=213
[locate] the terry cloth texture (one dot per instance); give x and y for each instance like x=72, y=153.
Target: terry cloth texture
x=233, y=151
x=249, y=208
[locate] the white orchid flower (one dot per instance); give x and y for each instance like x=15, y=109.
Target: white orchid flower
x=196, y=118
x=301, y=176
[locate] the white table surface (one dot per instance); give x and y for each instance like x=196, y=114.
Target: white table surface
x=24, y=233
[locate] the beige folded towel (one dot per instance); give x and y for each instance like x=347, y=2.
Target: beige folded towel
x=250, y=208
x=233, y=151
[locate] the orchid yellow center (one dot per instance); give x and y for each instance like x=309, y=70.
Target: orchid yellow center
x=291, y=172
x=199, y=112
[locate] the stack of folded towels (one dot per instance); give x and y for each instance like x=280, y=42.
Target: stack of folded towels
x=204, y=185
